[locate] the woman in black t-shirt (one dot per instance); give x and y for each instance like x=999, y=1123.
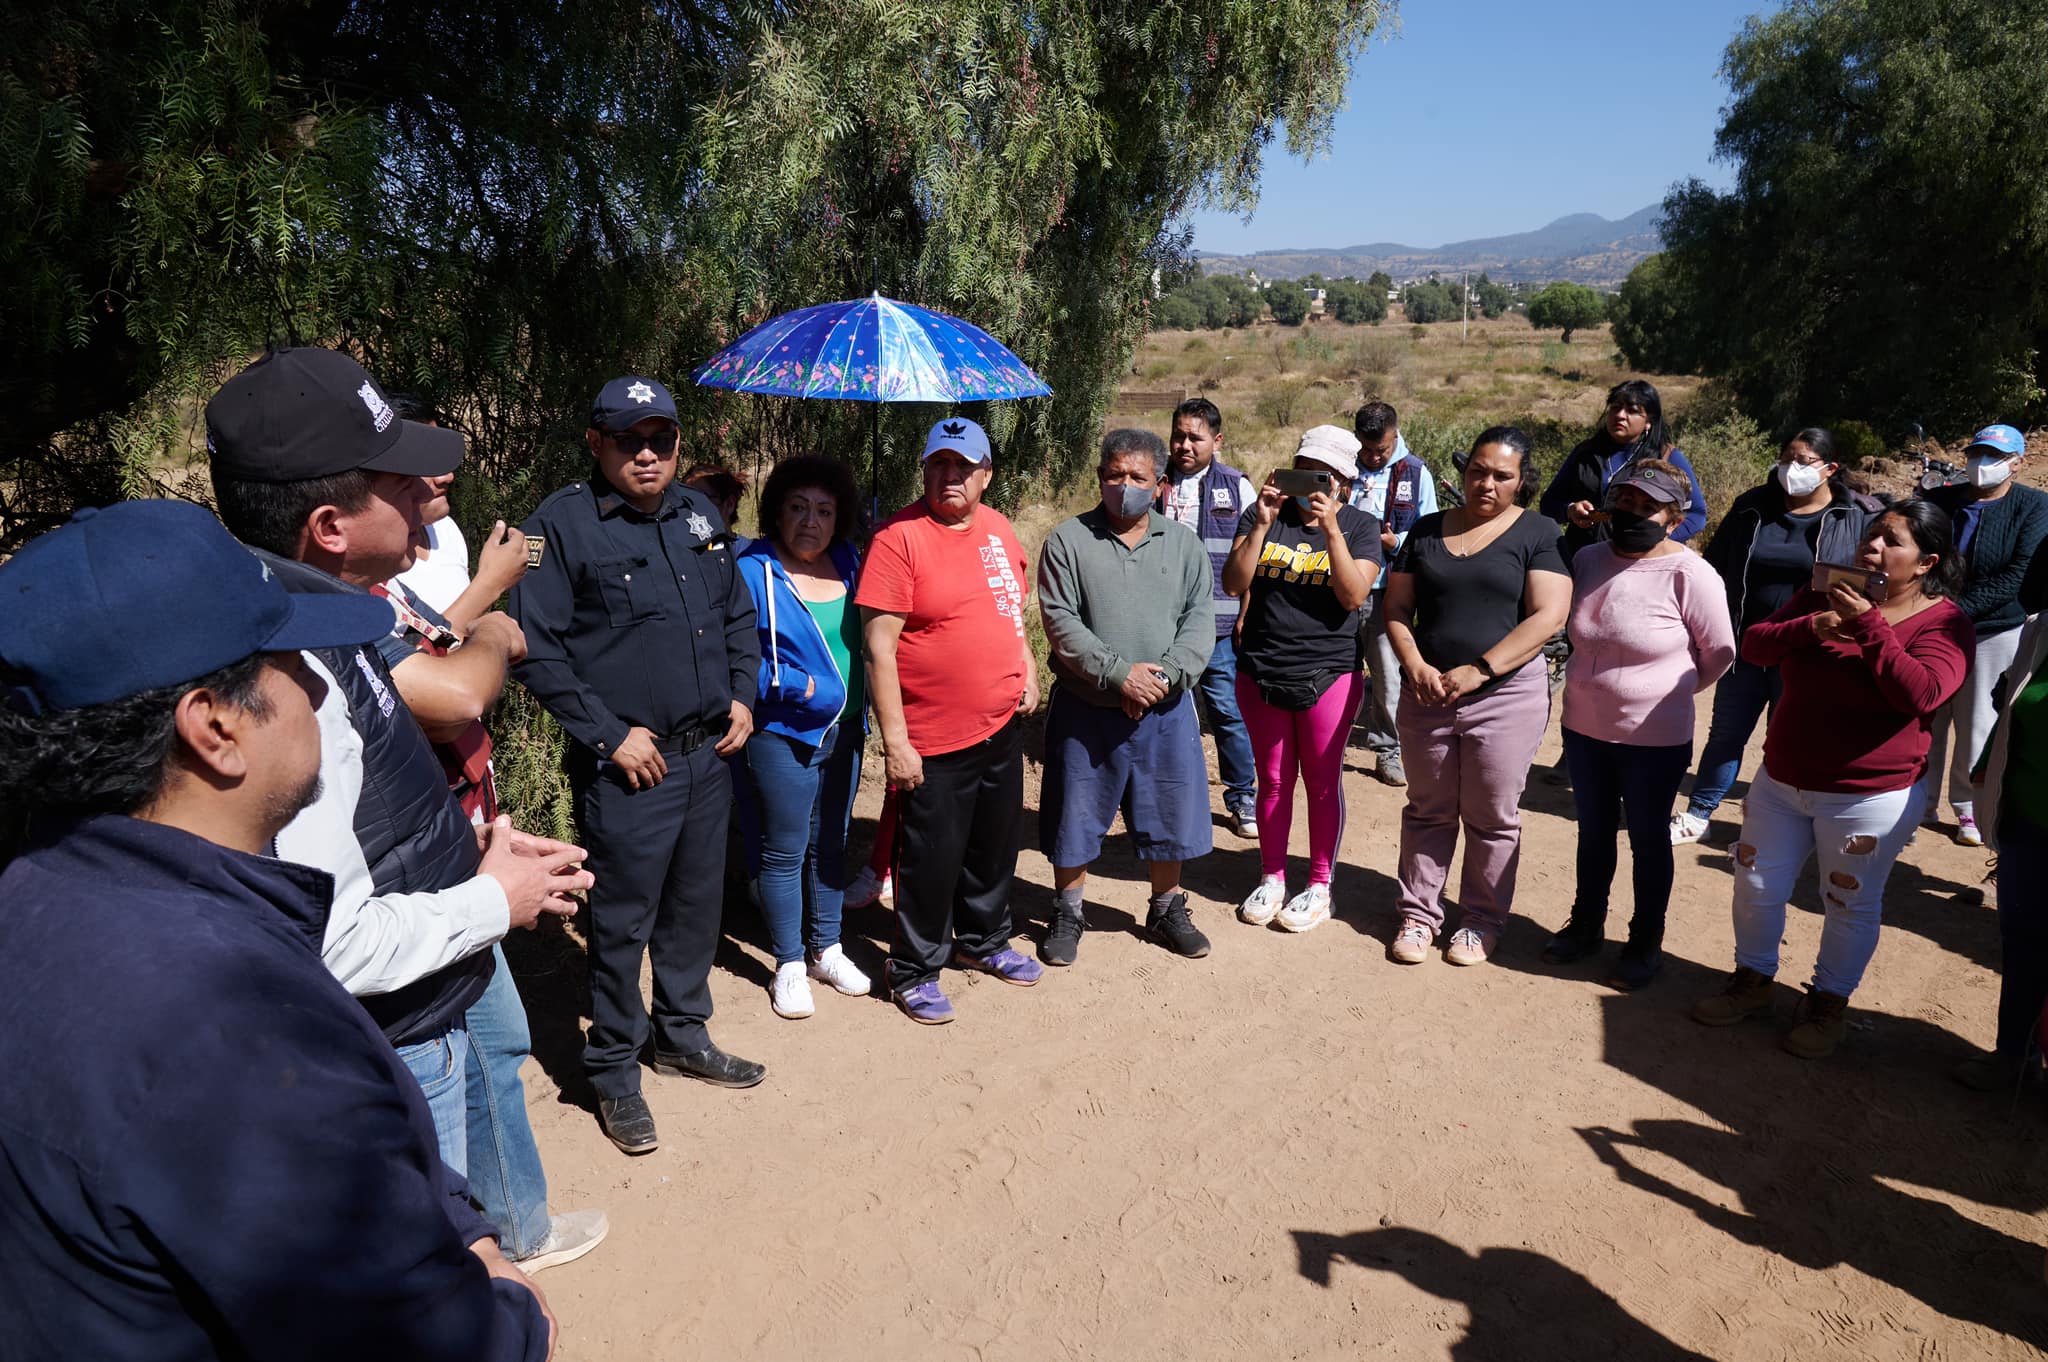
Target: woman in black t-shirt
x=1309, y=564
x=1474, y=595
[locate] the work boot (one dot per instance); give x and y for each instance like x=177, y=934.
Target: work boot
x=628, y=1123
x=1746, y=994
x=1063, y=942
x=1823, y=1021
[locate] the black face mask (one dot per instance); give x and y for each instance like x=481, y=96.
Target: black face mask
x=1632, y=533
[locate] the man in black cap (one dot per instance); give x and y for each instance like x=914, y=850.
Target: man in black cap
x=640, y=641
x=314, y=470
x=212, y=1151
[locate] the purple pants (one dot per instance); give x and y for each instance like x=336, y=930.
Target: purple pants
x=1467, y=764
x=1310, y=742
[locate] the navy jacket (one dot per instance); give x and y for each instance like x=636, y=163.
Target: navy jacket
x=2009, y=530
x=634, y=619
x=208, y=1149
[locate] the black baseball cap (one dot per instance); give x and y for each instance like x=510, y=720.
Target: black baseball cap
x=307, y=412
x=148, y=594
x=624, y=401
x=1657, y=484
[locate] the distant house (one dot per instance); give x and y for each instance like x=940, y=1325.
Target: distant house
x=1393, y=295
x=1316, y=299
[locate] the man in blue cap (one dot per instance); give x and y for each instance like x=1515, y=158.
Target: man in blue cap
x=1999, y=525
x=640, y=641
x=213, y=1152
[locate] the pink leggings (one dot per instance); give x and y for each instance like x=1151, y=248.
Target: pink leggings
x=1311, y=741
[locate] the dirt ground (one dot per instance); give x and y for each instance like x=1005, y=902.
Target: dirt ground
x=1294, y=1149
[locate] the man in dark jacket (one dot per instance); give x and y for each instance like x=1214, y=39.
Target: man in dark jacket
x=212, y=1151
x=1999, y=525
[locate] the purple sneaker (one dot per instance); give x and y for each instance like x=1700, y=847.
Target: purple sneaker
x=1006, y=964
x=924, y=1003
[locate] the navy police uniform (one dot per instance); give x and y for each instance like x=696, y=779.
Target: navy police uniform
x=639, y=620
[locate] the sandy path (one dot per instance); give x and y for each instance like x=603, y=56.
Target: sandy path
x=1293, y=1149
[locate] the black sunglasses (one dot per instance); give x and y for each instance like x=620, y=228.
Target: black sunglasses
x=631, y=442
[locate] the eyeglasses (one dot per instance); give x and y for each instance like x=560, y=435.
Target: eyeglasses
x=631, y=442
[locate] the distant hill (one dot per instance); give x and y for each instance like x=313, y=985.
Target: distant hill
x=1582, y=247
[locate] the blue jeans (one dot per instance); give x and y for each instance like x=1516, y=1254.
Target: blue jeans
x=503, y=1163
x=1740, y=699
x=1218, y=691
x=806, y=802
x=1615, y=784
x=440, y=1065
x=1857, y=838
x=2022, y=931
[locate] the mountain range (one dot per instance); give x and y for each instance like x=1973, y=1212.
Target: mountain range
x=1582, y=247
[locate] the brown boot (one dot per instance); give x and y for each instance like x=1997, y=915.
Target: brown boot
x=1746, y=994
x=1823, y=1021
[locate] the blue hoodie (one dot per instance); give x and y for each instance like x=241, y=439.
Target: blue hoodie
x=794, y=653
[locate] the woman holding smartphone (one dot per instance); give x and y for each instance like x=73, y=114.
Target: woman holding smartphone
x=1866, y=657
x=1308, y=561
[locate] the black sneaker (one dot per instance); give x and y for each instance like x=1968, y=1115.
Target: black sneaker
x=1063, y=942
x=1172, y=928
x=711, y=1065
x=1574, y=942
x=1638, y=964
x=628, y=1123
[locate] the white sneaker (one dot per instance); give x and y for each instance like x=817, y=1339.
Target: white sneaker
x=570, y=1235
x=790, y=994
x=834, y=968
x=1307, y=910
x=867, y=889
x=1687, y=827
x=1264, y=902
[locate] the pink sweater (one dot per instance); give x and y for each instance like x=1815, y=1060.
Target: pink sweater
x=1647, y=635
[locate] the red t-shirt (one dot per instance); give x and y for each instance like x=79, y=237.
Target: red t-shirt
x=961, y=593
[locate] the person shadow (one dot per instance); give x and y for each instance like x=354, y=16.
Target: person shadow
x=553, y=976
x=1523, y=1305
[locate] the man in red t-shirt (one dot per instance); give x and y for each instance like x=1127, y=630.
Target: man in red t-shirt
x=942, y=597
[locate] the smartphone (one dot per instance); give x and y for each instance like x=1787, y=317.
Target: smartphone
x=1303, y=482
x=535, y=547
x=1870, y=585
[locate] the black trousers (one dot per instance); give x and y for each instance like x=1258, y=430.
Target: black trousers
x=956, y=851
x=659, y=859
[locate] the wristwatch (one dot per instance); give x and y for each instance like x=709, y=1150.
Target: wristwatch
x=1486, y=668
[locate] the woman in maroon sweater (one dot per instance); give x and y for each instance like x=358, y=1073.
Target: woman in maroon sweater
x=1842, y=761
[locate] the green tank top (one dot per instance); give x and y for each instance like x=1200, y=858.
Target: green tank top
x=840, y=624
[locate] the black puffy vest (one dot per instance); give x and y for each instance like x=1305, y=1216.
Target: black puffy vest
x=413, y=833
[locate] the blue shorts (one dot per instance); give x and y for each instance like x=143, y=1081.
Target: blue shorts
x=1099, y=761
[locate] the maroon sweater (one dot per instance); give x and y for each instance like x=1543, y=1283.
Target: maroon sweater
x=1853, y=718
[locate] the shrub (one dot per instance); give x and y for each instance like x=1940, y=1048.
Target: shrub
x=1417, y=331
x=1730, y=453
x=1158, y=368
x=1856, y=441
x=1376, y=357
x=1555, y=353
x=1280, y=401
x=1195, y=346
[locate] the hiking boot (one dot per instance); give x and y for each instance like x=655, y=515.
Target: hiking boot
x=1389, y=769
x=628, y=1123
x=1063, y=942
x=1574, y=941
x=1411, y=944
x=712, y=1065
x=924, y=1003
x=1687, y=827
x=1245, y=823
x=1823, y=1021
x=1993, y=1072
x=1172, y=928
x=1638, y=964
x=1470, y=946
x=570, y=1235
x=1006, y=964
x=1746, y=994
x=1307, y=910
x=1263, y=903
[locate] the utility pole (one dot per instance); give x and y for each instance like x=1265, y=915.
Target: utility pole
x=1464, y=305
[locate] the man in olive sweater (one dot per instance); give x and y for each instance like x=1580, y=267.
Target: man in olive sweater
x=1126, y=597
x=1999, y=524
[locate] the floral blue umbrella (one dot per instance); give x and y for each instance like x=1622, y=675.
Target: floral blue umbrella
x=871, y=349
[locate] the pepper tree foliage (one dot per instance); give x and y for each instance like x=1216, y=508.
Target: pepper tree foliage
x=1884, y=250
x=498, y=207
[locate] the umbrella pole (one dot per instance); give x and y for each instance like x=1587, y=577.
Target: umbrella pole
x=875, y=461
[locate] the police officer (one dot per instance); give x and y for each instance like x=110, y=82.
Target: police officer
x=640, y=641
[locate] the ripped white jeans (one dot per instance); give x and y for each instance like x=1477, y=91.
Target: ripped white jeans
x=1858, y=838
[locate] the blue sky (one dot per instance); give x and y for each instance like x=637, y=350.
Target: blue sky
x=1473, y=118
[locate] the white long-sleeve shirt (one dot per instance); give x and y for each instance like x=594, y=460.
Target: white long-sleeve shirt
x=377, y=943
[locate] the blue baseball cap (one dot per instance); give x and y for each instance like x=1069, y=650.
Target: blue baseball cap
x=961, y=436
x=146, y=594
x=624, y=401
x=2005, y=439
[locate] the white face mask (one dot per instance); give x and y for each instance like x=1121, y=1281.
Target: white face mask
x=1988, y=473
x=1800, y=479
